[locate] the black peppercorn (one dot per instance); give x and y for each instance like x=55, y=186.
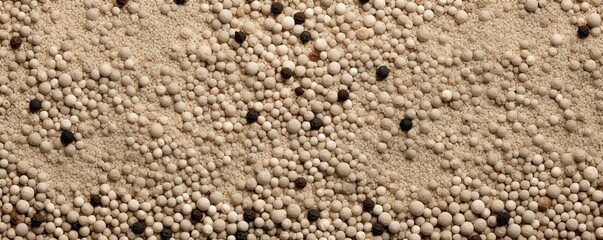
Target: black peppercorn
x=343, y=95
x=196, y=215
x=276, y=8
x=368, y=205
x=249, y=215
x=165, y=234
x=240, y=235
x=305, y=36
x=313, y=215
x=95, y=200
x=35, y=105
x=67, y=137
x=300, y=182
x=37, y=220
x=180, y=2
x=75, y=226
x=378, y=229
x=138, y=228
x=240, y=37
x=406, y=124
x=299, y=91
x=502, y=219
x=382, y=72
x=299, y=18
x=583, y=32
x=363, y=1
x=15, y=42
x=315, y=123
x=286, y=73
x=252, y=116
x=121, y=3
x=475, y=237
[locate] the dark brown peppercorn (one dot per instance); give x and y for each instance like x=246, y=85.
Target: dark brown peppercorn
x=583, y=32
x=196, y=216
x=300, y=182
x=95, y=201
x=67, y=137
x=75, y=226
x=276, y=8
x=252, y=116
x=305, y=36
x=138, y=228
x=240, y=37
x=378, y=229
x=368, y=205
x=406, y=124
x=313, y=215
x=286, y=73
x=475, y=237
x=502, y=219
x=249, y=215
x=37, y=220
x=315, y=123
x=180, y=2
x=121, y=3
x=363, y=1
x=299, y=18
x=343, y=95
x=240, y=235
x=35, y=105
x=382, y=72
x=166, y=233
x=299, y=91
x=15, y=42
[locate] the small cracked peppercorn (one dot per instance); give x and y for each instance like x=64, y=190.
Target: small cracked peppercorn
x=37, y=220
x=502, y=219
x=196, y=215
x=180, y=2
x=299, y=18
x=121, y=3
x=368, y=205
x=583, y=32
x=406, y=124
x=313, y=215
x=252, y=116
x=95, y=201
x=305, y=36
x=249, y=215
x=15, y=42
x=138, y=228
x=300, y=182
x=315, y=123
x=240, y=37
x=286, y=73
x=343, y=95
x=240, y=235
x=166, y=233
x=67, y=137
x=35, y=105
x=276, y=8
x=377, y=229
x=382, y=72
x=299, y=91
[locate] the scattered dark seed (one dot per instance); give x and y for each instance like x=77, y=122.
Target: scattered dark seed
x=378, y=229
x=249, y=215
x=138, y=228
x=406, y=124
x=300, y=182
x=240, y=37
x=315, y=123
x=196, y=216
x=35, y=105
x=67, y=137
x=166, y=233
x=252, y=116
x=583, y=32
x=286, y=73
x=15, y=42
x=343, y=95
x=241, y=235
x=368, y=205
x=121, y=3
x=299, y=18
x=276, y=8
x=95, y=201
x=299, y=91
x=502, y=219
x=382, y=72
x=180, y=2
x=305, y=36
x=37, y=220
x=75, y=226
x=475, y=237
x=313, y=215
x=363, y=1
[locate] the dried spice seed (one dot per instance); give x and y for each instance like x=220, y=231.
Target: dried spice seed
x=300, y=182
x=95, y=200
x=252, y=116
x=382, y=72
x=502, y=219
x=196, y=216
x=276, y=8
x=67, y=137
x=35, y=105
x=406, y=124
x=305, y=36
x=378, y=229
x=299, y=91
x=368, y=205
x=138, y=228
x=37, y=220
x=249, y=215
x=240, y=37
x=299, y=18
x=166, y=233
x=583, y=32
x=343, y=95
x=313, y=215
x=15, y=42
x=315, y=124
x=286, y=73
